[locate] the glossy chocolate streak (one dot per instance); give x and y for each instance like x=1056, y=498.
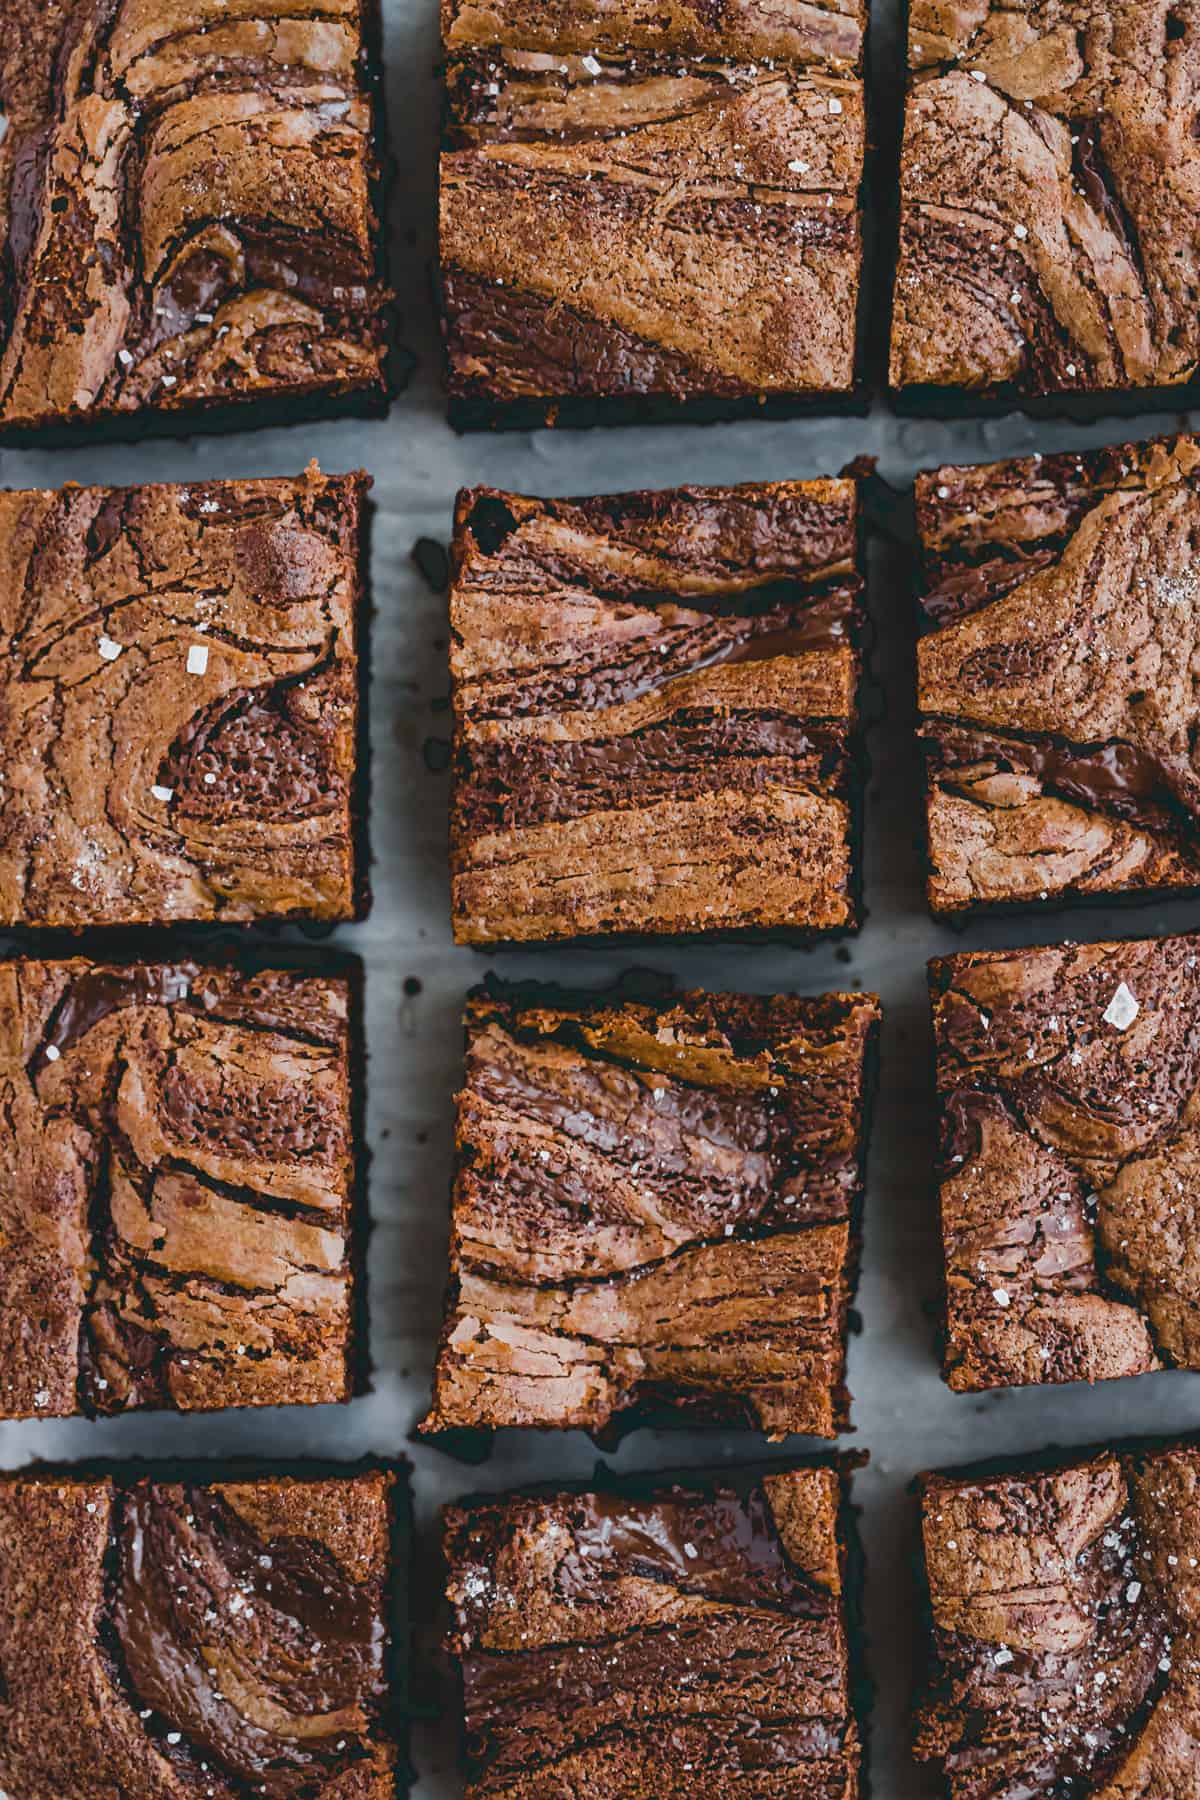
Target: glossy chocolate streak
x=504, y=786
x=964, y=1111
x=966, y=591
x=265, y=1657
x=92, y=996
x=1115, y=778
x=722, y=1545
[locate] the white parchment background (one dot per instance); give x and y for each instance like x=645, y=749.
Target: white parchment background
x=903, y=1414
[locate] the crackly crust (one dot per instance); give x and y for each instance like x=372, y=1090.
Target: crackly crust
x=656, y=1203
x=1065, y=1629
x=139, y=788
x=1057, y=686
x=1050, y=232
x=654, y=707
x=647, y=202
x=162, y=1640
x=186, y=206
x=1069, y=1091
x=641, y=1641
x=177, y=1204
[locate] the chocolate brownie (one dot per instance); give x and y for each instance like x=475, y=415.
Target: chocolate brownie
x=646, y=1641
x=187, y=208
x=179, y=702
x=1064, y=1607
x=1050, y=236
x=646, y=206
x=656, y=1205
x=1068, y=1081
x=172, y=1640
x=1057, y=691
x=655, y=712
x=178, y=1205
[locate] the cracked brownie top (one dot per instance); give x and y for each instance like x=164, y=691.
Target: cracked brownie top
x=179, y=702
x=656, y=1204
x=177, y=1203
x=1069, y=1091
x=1050, y=227
x=655, y=705
x=643, y=1642
x=1065, y=1628
x=1056, y=681
x=186, y=212
x=647, y=200
x=166, y=1640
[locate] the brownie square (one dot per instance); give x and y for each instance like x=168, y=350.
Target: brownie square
x=187, y=209
x=1067, y=1080
x=167, y=1639
x=656, y=1206
x=645, y=207
x=1064, y=1627
x=1049, y=232
x=1057, y=694
x=179, y=702
x=178, y=1203
x=645, y=1641
x=655, y=713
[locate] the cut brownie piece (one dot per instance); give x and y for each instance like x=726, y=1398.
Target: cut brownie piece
x=178, y=1206
x=644, y=205
x=1057, y=690
x=645, y=1641
x=655, y=709
x=179, y=705
x=187, y=212
x=1049, y=236
x=170, y=1640
x=1064, y=1608
x=656, y=1204
x=1068, y=1082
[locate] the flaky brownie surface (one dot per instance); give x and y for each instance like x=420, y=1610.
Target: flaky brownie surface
x=1057, y=686
x=175, y=1640
x=637, y=1642
x=655, y=701
x=1065, y=1620
x=186, y=211
x=656, y=1205
x=179, y=701
x=649, y=202
x=1050, y=235
x=1068, y=1082
x=177, y=1203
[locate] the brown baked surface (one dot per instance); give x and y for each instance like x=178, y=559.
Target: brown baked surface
x=1065, y=1629
x=179, y=701
x=656, y=1204
x=655, y=708
x=178, y=1640
x=1069, y=1090
x=186, y=206
x=649, y=202
x=1050, y=232
x=635, y=1642
x=1057, y=687
x=177, y=1192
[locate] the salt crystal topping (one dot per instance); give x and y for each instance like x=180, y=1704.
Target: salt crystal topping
x=110, y=649
x=1001, y=1296
x=835, y=105
x=162, y=793
x=1122, y=1009
x=590, y=64
x=52, y=1052
x=197, y=659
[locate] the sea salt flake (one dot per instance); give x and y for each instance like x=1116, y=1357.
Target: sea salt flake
x=1122, y=1009
x=110, y=649
x=1001, y=1657
x=1002, y=1297
x=197, y=659
x=835, y=105
x=591, y=64
x=52, y=1052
